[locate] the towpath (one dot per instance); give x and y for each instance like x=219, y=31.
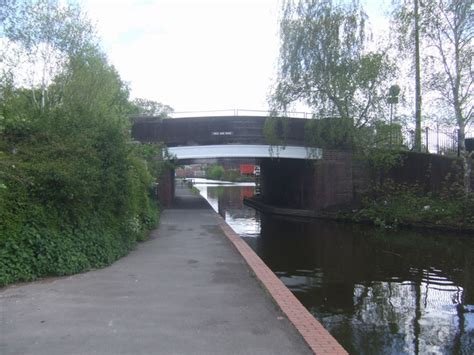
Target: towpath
x=185, y=291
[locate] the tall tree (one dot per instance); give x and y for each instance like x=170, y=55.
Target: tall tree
x=324, y=61
x=449, y=33
x=45, y=34
x=416, y=34
x=446, y=32
x=408, y=27
x=151, y=108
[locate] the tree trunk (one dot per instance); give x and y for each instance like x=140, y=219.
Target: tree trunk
x=417, y=146
x=460, y=119
x=467, y=162
x=467, y=167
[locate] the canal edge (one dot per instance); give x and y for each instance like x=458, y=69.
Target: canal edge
x=319, y=340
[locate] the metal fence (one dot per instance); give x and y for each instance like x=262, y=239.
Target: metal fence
x=442, y=141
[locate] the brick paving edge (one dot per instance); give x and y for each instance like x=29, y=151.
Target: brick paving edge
x=319, y=340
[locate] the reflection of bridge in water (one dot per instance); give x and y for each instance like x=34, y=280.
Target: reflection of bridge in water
x=230, y=200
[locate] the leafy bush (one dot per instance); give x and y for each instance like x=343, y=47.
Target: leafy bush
x=70, y=201
x=392, y=204
x=215, y=172
x=74, y=191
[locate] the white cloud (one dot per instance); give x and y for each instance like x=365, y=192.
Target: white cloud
x=192, y=55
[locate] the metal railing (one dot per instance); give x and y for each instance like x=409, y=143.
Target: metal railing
x=441, y=141
x=240, y=112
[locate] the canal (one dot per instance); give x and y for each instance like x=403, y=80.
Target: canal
x=377, y=292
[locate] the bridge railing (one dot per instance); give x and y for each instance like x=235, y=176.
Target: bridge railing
x=240, y=112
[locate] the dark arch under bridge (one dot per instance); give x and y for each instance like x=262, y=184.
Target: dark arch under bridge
x=222, y=137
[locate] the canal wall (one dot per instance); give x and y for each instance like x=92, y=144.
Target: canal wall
x=339, y=179
x=308, y=184
x=433, y=173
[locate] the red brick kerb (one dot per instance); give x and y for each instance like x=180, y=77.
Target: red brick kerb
x=317, y=338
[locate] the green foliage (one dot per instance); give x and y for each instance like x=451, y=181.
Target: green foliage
x=275, y=131
x=195, y=190
x=329, y=133
x=445, y=50
x=156, y=156
x=380, y=161
x=62, y=27
x=74, y=190
x=235, y=176
x=270, y=131
x=338, y=133
x=70, y=200
x=215, y=172
x=387, y=136
x=150, y=108
x=324, y=62
x=45, y=35
x=390, y=205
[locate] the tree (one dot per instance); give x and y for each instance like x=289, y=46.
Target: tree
x=44, y=34
x=407, y=19
x=449, y=32
x=446, y=31
x=89, y=85
x=150, y=108
x=74, y=193
x=324, y=62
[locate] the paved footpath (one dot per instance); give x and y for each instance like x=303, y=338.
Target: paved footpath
x=185, y=291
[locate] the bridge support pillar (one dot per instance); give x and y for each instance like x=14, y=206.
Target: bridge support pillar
x=304, y=184
x=165, y=188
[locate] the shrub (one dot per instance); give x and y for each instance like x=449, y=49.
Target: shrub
x=392, y=204
x=215, y=172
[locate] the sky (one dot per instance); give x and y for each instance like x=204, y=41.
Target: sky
x=197, y=55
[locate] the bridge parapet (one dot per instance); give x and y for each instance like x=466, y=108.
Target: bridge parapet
x=218, y=130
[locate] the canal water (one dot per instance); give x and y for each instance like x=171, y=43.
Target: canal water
x=377, y=292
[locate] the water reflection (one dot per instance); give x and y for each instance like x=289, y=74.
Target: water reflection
x=227, y=200
x=377, y=293
x=401, y=292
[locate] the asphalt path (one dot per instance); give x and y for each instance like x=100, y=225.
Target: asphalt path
x=184, y=291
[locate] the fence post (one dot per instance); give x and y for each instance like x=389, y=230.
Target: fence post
x=426, y=138
x=437, y=138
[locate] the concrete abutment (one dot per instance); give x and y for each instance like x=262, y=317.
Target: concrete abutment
x=305, y=184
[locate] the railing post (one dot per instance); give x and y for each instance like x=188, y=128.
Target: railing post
x=437, y=138
x=426, y=139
